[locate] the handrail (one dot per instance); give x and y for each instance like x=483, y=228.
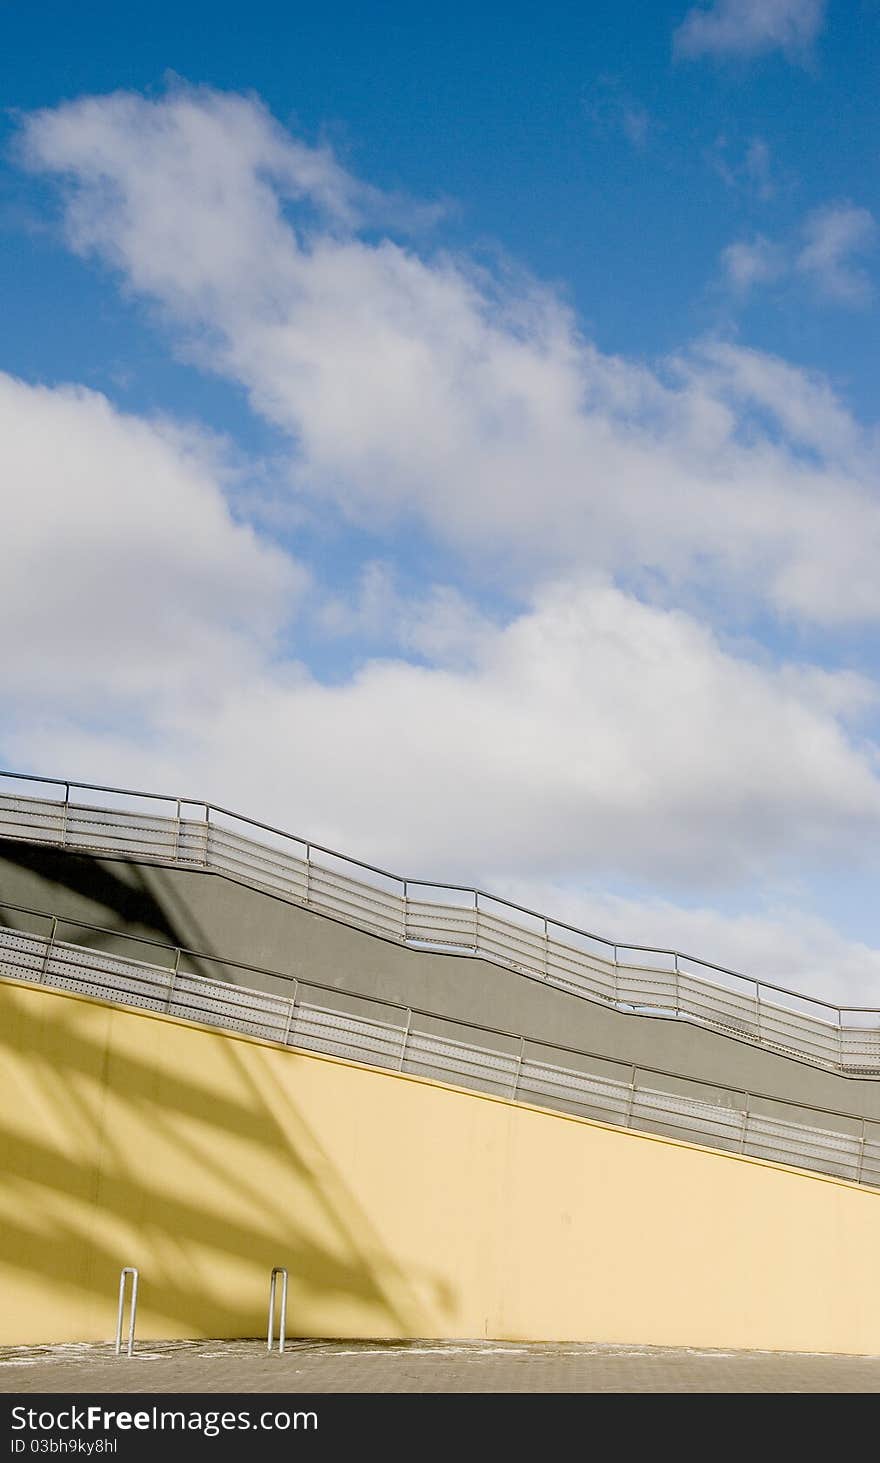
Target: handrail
x=758, y=988
x=474, y=890
x=297, y=982
x=443, y=1057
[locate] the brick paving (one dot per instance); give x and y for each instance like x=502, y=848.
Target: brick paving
x=380, y=1367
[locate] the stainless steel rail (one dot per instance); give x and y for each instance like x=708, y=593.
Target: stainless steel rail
x=198, y=835
x=282, y=1320
x=420, y=1043
x=125, y=1272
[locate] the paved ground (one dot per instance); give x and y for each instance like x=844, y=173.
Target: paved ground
x=345, y=1366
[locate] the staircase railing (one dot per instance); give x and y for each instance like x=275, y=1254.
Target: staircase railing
x=640, y=979
x=509, y=1065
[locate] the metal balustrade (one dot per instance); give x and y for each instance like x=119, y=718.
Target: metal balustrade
x=423, y=1044
x=200, y=835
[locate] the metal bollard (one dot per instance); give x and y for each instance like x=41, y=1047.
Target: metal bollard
x=126, y=1271
x=282, y=1325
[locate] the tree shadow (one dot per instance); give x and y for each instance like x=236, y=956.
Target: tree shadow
x=117, y=890
x=116, y=1151
x=129, y=901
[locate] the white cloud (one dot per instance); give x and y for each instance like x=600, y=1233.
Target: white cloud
x=748, y=264
x=441, y=626
x=832, y=236
x=824, y=256
x=422, y=385
x=126, y=585
x=804, y=405
x=750, y=27
x=591, y=736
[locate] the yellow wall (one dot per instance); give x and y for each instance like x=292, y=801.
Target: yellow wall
x=401, y=1208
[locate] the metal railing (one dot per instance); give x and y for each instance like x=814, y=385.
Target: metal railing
x=421, y=1043
x=463, y=920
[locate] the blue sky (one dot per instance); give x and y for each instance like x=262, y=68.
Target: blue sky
x=454, y=433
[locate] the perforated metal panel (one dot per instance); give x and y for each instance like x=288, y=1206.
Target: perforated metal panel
x=312, y=1027
x=21, y=956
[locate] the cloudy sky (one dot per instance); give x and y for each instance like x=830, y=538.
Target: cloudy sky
x=452, y=434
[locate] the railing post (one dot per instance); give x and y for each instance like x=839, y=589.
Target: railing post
x=207, y=834
x=174, y=973
x=861, y=1164
x=519, y=1062
x=839, y=1040
x=406, y=1033
x=744, y=1131
x=476, y=922
x=282, y=1324
x=405, y=904
x=290, y=1010
x=615, y=989
x=546, y=949
x=308, y=893
x=132, y=1319
x=632, y=1096
x=675, y=984
x=50, y=945
x=64, y=812
x=757, y=1011
x=177, y=835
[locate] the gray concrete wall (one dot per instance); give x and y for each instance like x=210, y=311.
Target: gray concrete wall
x=212, y=914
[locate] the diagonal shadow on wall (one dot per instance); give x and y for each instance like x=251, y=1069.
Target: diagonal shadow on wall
x=112, y=1156
x=118, y=895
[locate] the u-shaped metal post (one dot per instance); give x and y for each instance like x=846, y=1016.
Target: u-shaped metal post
x=282, y=1323
x=132, y=1319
